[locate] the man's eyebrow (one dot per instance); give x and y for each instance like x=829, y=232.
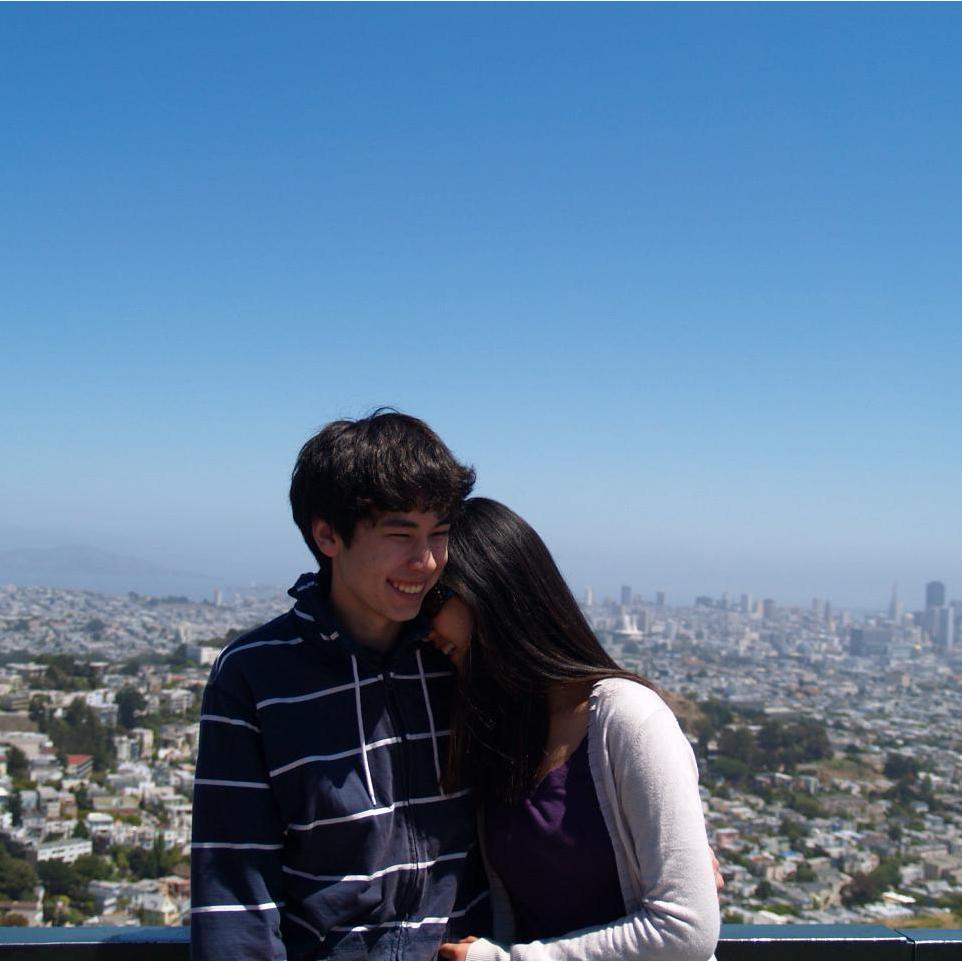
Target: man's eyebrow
x=392, y=521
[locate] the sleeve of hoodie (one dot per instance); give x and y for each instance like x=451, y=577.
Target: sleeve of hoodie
x=652, y=778
x=237, y=839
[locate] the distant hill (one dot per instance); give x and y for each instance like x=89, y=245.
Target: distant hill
x=93, y=569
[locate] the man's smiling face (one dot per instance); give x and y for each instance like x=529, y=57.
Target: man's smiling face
x=380, y=579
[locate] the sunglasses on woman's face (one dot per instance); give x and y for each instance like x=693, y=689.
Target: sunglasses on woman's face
x=434, y=600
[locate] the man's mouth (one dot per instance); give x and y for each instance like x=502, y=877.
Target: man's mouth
x=407, y=587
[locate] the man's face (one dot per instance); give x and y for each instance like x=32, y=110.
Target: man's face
x=381, y=578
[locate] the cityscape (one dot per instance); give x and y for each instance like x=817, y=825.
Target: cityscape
x=828, y=745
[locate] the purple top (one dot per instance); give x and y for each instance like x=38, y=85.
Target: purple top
x=553, y=853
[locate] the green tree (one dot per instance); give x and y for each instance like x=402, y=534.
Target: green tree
x=764, y=890
x=129, y=701
x=80, y=731
x=869, y=887
x=38, y=710
x=901, y=767
x=17, y=764
x=15, y=807
x=18, y=879
x=738, y=743
x=793, y=830
x=92, y=867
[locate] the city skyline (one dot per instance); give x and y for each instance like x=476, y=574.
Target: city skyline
x=104, y=573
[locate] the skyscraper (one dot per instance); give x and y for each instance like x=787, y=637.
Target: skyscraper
x=945, y=629
x=626, y=595
x=895, y=606
x=935, y=595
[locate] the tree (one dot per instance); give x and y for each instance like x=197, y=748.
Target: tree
x=17, y=764
x=129, y=701
x=38, y=710
x=793, y=830
x=148, y=863
x=717, y=714
x=899, y=767
x=738, y=743
x=764, y=890
x=869, y=887
x=18, y=880
x=80, y=732
x=91, y=867
x=15, y=807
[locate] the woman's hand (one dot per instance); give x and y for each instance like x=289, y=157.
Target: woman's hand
x=716, y=868
x=456, y=951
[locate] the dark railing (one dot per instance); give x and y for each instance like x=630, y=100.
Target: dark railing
x=844, y=942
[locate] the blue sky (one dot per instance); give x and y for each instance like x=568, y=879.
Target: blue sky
x=681, y=281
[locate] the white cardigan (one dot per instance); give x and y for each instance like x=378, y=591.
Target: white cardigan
x=646, y=779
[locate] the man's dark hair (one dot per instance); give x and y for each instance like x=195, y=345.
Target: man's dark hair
x=385, y=462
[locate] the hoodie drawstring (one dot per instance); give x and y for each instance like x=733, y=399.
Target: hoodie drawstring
x=360, y=730
x=427, y=705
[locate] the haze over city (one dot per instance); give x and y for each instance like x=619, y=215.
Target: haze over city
x=681, y=282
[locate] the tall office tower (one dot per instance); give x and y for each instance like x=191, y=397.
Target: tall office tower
x=589, y=598
x=935, y=595
x=660, y=599
x=768, y=609
x=895, y=606
x=626, y=595
x=724, y=601
x=816, y=605
x=955, y=606
x=746, y=604
x=941, y=627
x=827, y=612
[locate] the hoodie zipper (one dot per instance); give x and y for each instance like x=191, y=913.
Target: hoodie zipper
x=408, y=898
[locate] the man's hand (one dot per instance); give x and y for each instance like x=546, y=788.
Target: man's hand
x=456, y=951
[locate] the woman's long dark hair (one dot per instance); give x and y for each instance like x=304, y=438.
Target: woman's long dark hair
x=530, y=637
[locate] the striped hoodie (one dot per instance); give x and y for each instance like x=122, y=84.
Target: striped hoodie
x=320, y=828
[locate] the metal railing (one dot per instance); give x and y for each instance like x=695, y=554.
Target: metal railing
x=847, y=942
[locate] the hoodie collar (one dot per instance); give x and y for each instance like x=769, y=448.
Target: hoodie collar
x=321, y=624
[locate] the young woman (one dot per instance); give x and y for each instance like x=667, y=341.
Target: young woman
x=591, y=821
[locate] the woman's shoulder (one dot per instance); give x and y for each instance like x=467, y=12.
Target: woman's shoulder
x=632, y=724
x=616, y=696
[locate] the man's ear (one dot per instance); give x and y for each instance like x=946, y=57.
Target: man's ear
x=326, y=539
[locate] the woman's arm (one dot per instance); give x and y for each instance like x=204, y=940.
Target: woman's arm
x=651, y=780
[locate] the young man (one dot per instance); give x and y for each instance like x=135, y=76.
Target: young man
x=321, y=829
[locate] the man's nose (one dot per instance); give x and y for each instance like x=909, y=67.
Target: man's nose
x=423, y=558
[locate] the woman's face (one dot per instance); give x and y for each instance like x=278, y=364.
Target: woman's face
x=451, y=631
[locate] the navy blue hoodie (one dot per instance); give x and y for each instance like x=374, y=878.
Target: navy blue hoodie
x=320, y=826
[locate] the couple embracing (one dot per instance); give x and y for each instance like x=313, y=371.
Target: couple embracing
x=430, y=755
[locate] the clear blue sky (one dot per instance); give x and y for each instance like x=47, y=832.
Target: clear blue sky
x=682, y=282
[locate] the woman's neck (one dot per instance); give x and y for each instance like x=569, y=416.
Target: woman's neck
x=569, y=699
